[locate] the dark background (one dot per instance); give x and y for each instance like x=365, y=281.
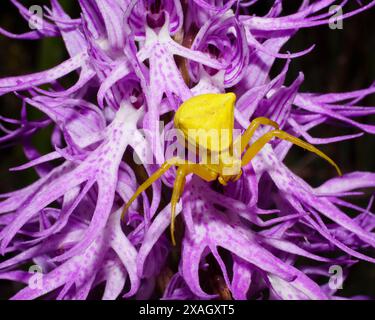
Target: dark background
x=343, y=60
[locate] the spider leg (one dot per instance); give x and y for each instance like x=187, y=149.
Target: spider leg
x=178, y=188
x=248, y=134
x=155, y=176
x=201, y=171
x=259, y=144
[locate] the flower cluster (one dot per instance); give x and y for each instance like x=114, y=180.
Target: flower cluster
x=137, y=61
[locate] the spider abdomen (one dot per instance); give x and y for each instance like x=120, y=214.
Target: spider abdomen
x=207, y=121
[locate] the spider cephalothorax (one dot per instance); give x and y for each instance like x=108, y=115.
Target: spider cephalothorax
x=201, y=122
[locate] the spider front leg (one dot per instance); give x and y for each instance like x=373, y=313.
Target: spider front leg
x=248, y=134
x=252, y=151
x=155, y=176
x=178, y=187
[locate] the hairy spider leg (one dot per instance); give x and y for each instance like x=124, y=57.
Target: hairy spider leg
x=253, y=150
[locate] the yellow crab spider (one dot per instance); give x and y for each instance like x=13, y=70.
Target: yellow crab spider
x=215, y=113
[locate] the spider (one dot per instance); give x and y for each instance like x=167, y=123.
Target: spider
x=215, y=113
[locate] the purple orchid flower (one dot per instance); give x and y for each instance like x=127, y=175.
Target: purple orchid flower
x=137, y=62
